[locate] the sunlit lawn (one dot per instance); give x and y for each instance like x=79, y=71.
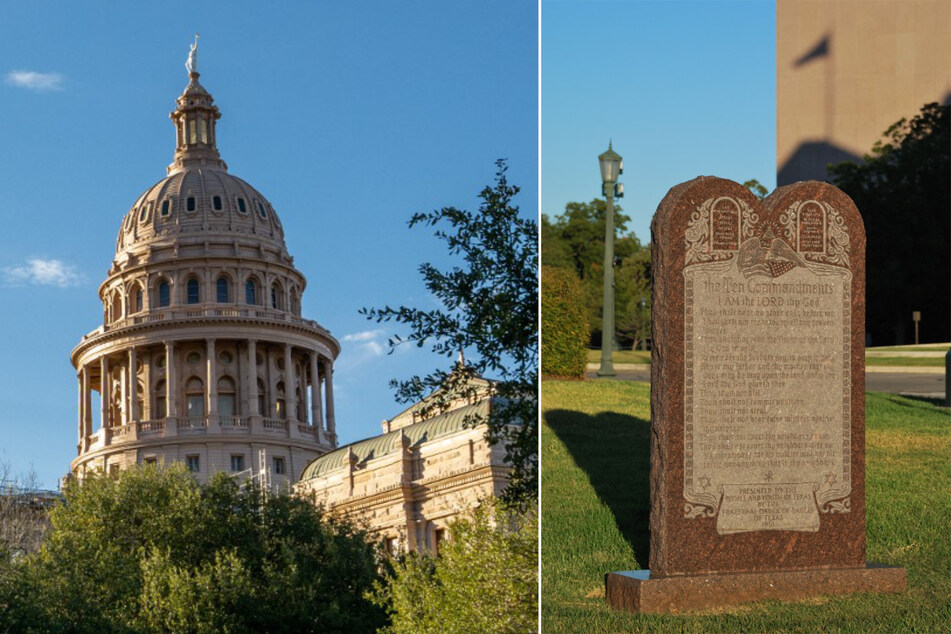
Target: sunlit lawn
x=595, y=452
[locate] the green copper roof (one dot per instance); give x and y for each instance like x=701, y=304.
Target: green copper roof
x=377, y=446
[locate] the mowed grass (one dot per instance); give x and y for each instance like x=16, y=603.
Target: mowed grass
x=595, y=509
x=906, y=361
x=943, y=347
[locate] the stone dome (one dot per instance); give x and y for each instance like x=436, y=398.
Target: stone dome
x=199, y=200
x=198, y=203
x=203, y=355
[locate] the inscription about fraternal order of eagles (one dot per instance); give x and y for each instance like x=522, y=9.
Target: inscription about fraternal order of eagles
x=767, y=335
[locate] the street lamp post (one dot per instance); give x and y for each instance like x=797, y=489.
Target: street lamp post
x=611, y=167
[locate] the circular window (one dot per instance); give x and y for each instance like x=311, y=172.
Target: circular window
x=280, y=363
x=225, y=357
x=193, y=358
x=160, y=361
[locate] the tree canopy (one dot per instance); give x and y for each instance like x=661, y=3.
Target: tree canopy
x=152, y=551
x=485, y=579
x=903, y=191
x=490, y=310
x=575, y=241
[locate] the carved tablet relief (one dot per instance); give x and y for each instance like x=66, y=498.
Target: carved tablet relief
x=767, y=342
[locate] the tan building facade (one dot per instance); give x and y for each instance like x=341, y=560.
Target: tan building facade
x=847, y=69
x=407, y=484
x=203, y=356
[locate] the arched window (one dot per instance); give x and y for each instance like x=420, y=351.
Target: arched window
x=262, y=399
x=190, y=203
x=277, y=297
x=159, y=409
x=164, y=294
x=192, y=291
x=216, y=202
x=194, y=398
x=136, y=301
x=224, y=290
x=251, y=292
x=226, y=396
x=295, y=302
x=139, y=400
x=280, y=403
x=116, y=307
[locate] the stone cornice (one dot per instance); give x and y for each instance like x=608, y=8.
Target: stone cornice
x=300, y=326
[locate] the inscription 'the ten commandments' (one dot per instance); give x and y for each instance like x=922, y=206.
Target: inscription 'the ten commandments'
x=766, y=442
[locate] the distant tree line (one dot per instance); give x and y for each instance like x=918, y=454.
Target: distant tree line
x=574, y=241
x=903, y=191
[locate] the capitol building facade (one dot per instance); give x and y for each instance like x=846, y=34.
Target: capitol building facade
x=203, y=356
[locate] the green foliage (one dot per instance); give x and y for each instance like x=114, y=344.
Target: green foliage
x=903, y=191
x=575, y=241
x=152, y=551
x=489, y=307
x=758, y=190
x=564, y=324
x=485, y=579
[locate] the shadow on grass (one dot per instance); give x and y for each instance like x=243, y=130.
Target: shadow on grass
x=614, y=451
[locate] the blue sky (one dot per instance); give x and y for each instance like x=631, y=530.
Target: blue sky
x=684, y=89
x=348, y=116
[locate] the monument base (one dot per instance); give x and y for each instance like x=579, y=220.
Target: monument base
x=636, y=591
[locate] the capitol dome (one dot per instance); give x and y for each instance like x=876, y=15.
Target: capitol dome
x=203, y=356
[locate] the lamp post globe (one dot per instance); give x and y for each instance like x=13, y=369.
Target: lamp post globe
x=611, y=167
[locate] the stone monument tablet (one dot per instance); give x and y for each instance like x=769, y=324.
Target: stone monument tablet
x=757, y=400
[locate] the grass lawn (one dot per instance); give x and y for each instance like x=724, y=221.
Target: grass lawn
x=622, y=356
x=920, y=348
x=595, y=509
x=906, y=361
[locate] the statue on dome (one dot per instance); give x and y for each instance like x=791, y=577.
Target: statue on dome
x=192, y=63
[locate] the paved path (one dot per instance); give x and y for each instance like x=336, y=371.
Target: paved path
x=917, y=383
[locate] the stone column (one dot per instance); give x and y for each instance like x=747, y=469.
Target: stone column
x=252, y=379
x=314, y=392
x=290, y=384
x=82, y=402
x=104, y=392
x=123, y=396
x=134, y=413
x=211, y=378
x=331, y=423
x=171, y=382
x=271, y=404
x=87, y=407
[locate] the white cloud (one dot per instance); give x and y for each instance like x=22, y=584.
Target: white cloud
x=365, y=335
x=32, y=80
x=365, y=345
x=41, y=272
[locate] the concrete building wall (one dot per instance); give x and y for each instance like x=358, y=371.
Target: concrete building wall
x=848, y=69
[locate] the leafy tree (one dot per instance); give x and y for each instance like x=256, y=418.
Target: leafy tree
x=903, y=191
x=758, y=190
x=485, y=579
x=564, y=324
x=152, y=551
x=490, y=307
x=575, y=241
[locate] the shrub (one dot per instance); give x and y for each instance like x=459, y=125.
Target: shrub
x=564, y=324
